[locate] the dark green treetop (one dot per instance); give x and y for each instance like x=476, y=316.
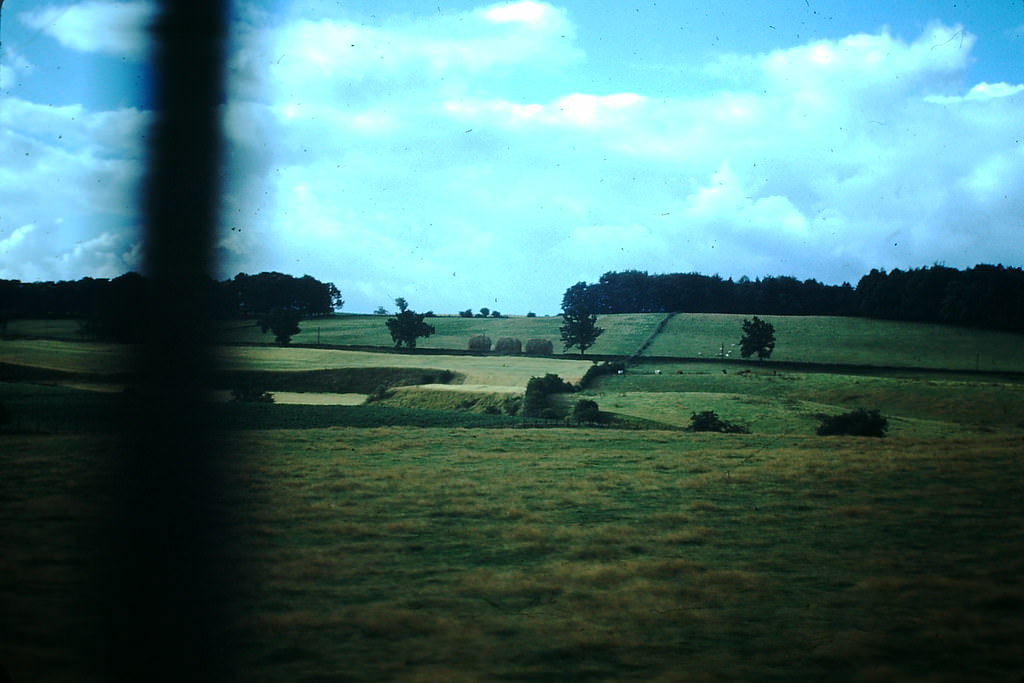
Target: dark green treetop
x=407, y=326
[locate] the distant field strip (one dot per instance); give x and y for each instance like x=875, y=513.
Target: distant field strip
x=492, y=371
x=859, y=341
x=66, y=356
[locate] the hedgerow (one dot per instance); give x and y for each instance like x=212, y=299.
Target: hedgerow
x=858, y=422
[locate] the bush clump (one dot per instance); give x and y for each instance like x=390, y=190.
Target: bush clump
x=708, y=421
x=539, y=347
x=380, y=393
x=508, y=346
x=858, y=422
x=535, y=402
x=479, y=342
x=586, y=410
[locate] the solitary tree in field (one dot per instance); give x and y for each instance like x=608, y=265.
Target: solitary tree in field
x=407, y=326
x=579, y=327
x=758, y=337
x=283, y=322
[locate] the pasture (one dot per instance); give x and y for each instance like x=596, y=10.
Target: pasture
x=803, y=339
x=478, y=555
x=623, y=333
x=428, y=536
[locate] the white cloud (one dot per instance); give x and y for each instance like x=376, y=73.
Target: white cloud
x=10, y=245
x=461, y=160
x=527, y=12
x=117, y=28
x=32, y=253
x=823, y=160
x=69, y=185
x=13, y=67
x=981, y=91
x=329, y=58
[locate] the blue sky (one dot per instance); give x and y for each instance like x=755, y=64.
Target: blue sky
x=468, y=154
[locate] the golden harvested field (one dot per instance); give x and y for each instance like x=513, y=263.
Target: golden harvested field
x=499, y=371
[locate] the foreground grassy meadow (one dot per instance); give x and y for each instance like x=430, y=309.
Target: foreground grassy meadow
x=478, y=555
x=455, y=545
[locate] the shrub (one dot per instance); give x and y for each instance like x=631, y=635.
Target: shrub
x=586, y=410
x=535, y=401
x=379, y=393
x=550, y=384
x=512, y=404
x=539, y=347
x=479, y=342
x=508, y=346
x=858, y=422
x=708, y=421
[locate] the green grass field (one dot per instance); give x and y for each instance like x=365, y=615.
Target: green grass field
x=858, y=341
x=477, y=555
x=807, y=339
x=623, y=333
x=429, y=536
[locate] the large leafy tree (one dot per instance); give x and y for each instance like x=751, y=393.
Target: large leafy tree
x=579, y=327
x=758, y=337
x=283, y=322
x=407, y=326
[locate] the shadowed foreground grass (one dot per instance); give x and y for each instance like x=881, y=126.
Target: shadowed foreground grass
x=450, y=554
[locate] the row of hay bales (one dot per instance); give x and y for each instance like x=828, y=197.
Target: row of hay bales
x=511, y=346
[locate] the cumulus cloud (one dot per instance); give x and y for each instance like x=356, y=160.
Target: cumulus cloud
x=459, y=160
x=13, y=66
x=32, y=253
x=69, y=186
x=116, y=28
x=333, y=58
x=396, y=160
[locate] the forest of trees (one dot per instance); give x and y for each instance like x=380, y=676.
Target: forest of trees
x=109, y=308
x=985, y=296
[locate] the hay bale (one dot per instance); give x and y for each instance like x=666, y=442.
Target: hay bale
x=479, y=342
x=539, y=347
x=508, y=346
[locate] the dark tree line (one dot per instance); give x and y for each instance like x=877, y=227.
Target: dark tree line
x=638, y=292
x=985, y=296
x=110, y=308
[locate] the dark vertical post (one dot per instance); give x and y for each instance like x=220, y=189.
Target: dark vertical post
x=166, y=582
